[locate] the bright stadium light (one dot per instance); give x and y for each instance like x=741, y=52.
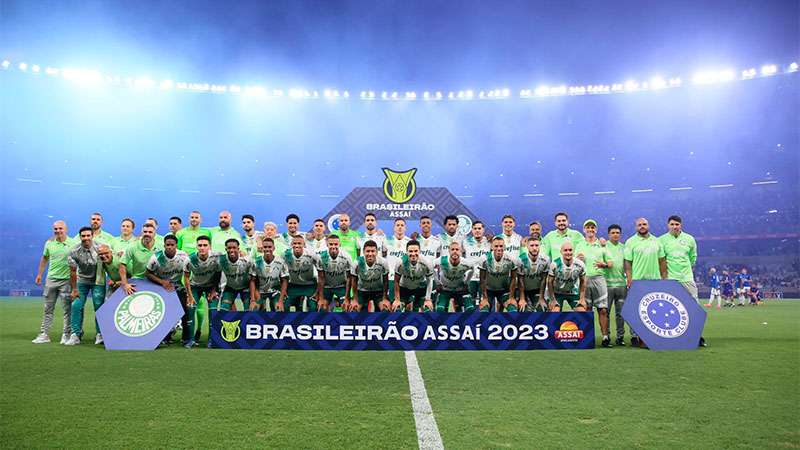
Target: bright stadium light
x=793, y=67
x=438, y=95
x=675, y=82
x=749, y=73
x=631, y=85
x=6, y=63
x=35, y=68
x=83, y=77
x=542, y=91
x=51, y=71
x=768, y=70
x=144, y=83
x=23, y=66
x=235, y=88
x=166, y=84
x=657, y=83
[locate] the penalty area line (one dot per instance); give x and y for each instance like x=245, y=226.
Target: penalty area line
x=428, y=435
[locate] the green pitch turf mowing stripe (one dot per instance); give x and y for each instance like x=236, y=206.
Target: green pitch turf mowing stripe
x=740, y=392
x=87, y=397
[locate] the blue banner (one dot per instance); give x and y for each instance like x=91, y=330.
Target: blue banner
x=402, y=331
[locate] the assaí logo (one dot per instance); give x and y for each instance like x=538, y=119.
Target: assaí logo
x=569, y=332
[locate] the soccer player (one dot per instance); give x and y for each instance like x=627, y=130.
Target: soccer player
x=271, y=231
x=235, y=266
x=315, y=241
x=166, y=267
x=250, y=238
x=223, y=232
x=292, y=230
x=512, y=240
x=109, y=268
x=126, y=237
x=369, y=278
x=395, y=250
x=413, y=281
x=532, y=273
x=202, y=275
x=746, y=281
x=134, y=262
x=498, y=279
x=680, y=255
x=372, y=233
x=333, y=270
x=55, y=257
x=566, y=281
x=596, y=260
x=175, y=225
x=348, y=239
x=157, y=238
x=713, y=282
x=535, y=228
x=449, y=235
x=644, y=260
x=454, y=275
x=476, y=247
x=551, y=244
x=737, y=282
x=187, y=237
x=615, y=279
x=727, y=288
x=83, y=261
x=430, y=246
x=303, y=280
x=269, y=279
x=99, y=236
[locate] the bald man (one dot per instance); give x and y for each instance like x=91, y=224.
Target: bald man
x=348, y=238
x=644, y=260
x=566, y=280
x=223, y=232
x=54, y=256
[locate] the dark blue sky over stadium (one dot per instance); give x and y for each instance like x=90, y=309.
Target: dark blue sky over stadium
x=401, y=44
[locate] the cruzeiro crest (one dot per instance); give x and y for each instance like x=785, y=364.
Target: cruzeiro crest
x=663, y=314
x=139, y=314
x=399, y=187
x=230, y=331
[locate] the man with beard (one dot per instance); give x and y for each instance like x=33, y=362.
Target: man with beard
x=269, y=279
x=175, y=225
x=476, y=247
x=99, y=236
x=333, y=271
x=250, y=238
x=157, y=238
x=292, y=230
x=535, y=228
x=126, y=237
x=187, y=237
x=370, y=281
x=551, y=244
x=395, y=250
x=134, y=261
x=644, y=260
x=512, y=240
x=83, y=262
x=201, y=276
x=413, y=282
x=55, y=257
x=615, y=279
x=235, y=267
x=372, y=233
x=453, y=282
x=449, y=235
x=223, y=232
x=166, y=268
x=303, y=280
x=315, y=241
x=498, y=279
x=348, y=239
x=109, y=267
x=533, y=270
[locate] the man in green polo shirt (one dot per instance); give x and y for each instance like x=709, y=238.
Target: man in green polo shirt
x=126, y=237
x=157, y=238
x=99, y=236
x=187, y=237
x=220, y=234
x=596, y=260
x=615, y=279
x=348, y=239
x=109, y=268
x=552, y=241
x=680, y=252
x=644, y=260
x=56, y=285
x=134, y=262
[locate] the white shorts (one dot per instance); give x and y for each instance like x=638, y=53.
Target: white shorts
x=739, y=291
x=715, y=292
x=746, y=289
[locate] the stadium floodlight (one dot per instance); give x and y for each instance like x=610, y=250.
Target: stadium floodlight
x=657, y=83
x=542, y=91
x=6, y=63
x=749, y=73
x=675, y=82
x=726, y=75
x=506, y=92
x=144, y=83
x=631, y=85
x=450, y=95
x=235, y=88
x=394, y=95
x=793, y=67
x=23, y=66
x=768, y=70
x=255, y=91
x=51, y=71
x=469, y=94
x=426, y=95
x=83, y=77
x=617, y=87
x=438, y=95
x=295, y=93
x=384, y=95
x=166, y=84
x=35, y=68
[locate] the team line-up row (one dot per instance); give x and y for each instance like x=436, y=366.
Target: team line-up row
x=352, y=271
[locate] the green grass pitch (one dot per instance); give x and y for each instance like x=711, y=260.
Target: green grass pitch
x=743, y=391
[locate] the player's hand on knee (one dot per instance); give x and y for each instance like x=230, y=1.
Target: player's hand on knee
x=428, y=306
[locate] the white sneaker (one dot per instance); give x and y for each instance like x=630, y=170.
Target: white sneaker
x=41, y=339
x=98, y=339
x=64, y=339
x=73, y=340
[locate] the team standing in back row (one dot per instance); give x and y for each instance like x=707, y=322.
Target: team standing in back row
x=352, y=271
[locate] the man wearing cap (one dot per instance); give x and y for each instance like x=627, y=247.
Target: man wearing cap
x=596, y=260
x=615, y=279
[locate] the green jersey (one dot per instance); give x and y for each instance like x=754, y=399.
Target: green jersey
x=498, y=273
x=552, y=241
x=335, y=269
x=566, y=278
x=111, y=270
x=533, y=270
x=302, y=269
x=592, y=253
x=269, y=274
x=454, y=277
x=644, y=253
x=681, y=255
x=250, y=244
x=348, y=242
x=119, y=245
x=203, y=272
x=187, y=238
x=237, y=273
x=103, y=237
x=57, y=254
x=413, y=275
x=370, y=278
x=168, y=268
x=159, y=241
x=615, y=275
x=219, y=236
x=136, y=258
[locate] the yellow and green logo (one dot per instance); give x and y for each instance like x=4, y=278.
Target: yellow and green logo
x=230, y=331
x=399, y=187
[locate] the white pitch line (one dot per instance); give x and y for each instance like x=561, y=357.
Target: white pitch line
x=428, y=436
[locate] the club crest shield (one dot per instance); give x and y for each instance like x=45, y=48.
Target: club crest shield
x=399, y=187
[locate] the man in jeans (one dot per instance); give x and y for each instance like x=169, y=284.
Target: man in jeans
x=57, y=285
x=83, y=263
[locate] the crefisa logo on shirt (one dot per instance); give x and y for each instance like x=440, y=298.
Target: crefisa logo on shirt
x=663, y=314
x=138, y=314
